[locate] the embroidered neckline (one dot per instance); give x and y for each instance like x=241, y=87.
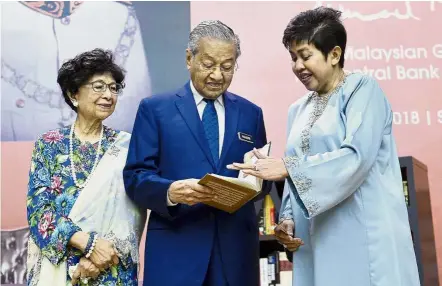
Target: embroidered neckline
x=302, y=182
x=320, y=103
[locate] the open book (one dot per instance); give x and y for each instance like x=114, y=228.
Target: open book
x=233, y=193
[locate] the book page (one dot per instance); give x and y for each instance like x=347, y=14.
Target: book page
x=238, y=181
x=256, y=182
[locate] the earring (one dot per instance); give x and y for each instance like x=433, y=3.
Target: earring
x=75, y=103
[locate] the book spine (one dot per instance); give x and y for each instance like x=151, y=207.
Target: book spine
x=272, y=267
x=261, y=222
x=285, y=270
x=406, y=193
x=263, y=263
x=269, y=215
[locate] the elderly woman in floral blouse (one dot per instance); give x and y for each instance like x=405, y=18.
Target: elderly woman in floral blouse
x=83, y=228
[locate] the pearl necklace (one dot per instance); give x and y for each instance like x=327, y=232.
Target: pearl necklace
x=71, y=156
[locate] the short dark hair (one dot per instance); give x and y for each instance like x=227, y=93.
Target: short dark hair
x=321, y=27
x=77, y=71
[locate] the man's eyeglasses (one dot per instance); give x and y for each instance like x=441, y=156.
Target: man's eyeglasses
x=100, y=86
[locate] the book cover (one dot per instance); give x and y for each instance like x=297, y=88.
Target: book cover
x=233, y=193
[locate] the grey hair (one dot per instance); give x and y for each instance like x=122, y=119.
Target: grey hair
x=215, y=30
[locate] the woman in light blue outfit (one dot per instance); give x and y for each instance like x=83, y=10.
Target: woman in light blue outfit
x=343, y=188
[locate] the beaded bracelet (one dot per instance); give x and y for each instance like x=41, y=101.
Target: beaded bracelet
x=90, y=244
x=89, y=253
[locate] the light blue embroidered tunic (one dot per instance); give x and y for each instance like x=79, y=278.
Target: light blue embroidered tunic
x=345, y=191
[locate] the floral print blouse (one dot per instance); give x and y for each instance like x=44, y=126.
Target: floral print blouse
x=52, y=194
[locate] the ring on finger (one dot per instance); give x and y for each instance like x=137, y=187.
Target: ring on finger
x=255, y=167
